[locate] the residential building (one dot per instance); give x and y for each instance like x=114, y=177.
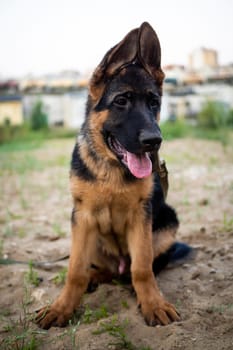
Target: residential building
x=203, y=58
x=11, y=109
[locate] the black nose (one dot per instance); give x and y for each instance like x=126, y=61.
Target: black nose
x=150, y=140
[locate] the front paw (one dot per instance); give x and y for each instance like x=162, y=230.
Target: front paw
x=159, y=312
x=52, y=316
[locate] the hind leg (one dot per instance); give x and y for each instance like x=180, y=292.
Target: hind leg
x=163, y=240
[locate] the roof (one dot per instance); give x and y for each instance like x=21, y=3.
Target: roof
x=8, y=98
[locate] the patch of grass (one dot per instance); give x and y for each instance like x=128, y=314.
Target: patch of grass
x=8, y=231
x=58, y=230
x=90, y=315
x=24, y=203
x=31, y=276
x=125, y=304
x=117, y=330
x=23, y=137
x=21, y=232
x=5, y=313
x=18, y=146
x=178, y=304
x=62, y=160
x=13, y=216
x=60, y=277
x=173, y=130
x=1, y=248
x=20, y=164
x=20, y=340
x=227, y=223
x=221, y=134
x=28, y=160
x=185, y=201
x=20, y=335
x=72, y=332
x=180, y=128
x=220, y=309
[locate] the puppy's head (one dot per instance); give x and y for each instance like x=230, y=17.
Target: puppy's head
x=125, y=93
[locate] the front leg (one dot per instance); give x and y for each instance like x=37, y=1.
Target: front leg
x=78, y=277
x=155, y=309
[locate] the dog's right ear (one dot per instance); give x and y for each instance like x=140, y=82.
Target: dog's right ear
x=149, y=52
x=115, y=58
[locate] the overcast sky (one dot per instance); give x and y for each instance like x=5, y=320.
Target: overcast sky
x=41, y=36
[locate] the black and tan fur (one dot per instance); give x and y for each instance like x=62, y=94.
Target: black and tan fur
x=118, y=218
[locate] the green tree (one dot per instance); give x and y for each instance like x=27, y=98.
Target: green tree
x=230, y=118
x=213, y=115
x=38, y=118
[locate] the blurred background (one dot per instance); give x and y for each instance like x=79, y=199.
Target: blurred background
x=50, y=48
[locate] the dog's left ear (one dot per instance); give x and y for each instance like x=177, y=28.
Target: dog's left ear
x=141, y=44
x=121, y=54
x=149, y=52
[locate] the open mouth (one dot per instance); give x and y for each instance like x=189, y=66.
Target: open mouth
x=139, y=165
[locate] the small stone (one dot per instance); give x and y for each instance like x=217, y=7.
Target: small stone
x=186, y=266
x=195, y=273
x=220, y=277
x=204, y=201
x=38, y=294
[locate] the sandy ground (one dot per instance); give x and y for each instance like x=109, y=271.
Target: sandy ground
x=35, y=207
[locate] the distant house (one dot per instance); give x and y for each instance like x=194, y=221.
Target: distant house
x=11, y=109
x=66, y=109
x=203, y=58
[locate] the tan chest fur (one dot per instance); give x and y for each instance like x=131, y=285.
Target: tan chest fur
x=110, y=209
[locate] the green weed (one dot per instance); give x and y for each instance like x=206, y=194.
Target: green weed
x=31, y=276
x=24, y=203
x=13, y=216
x=58, y=230
x=20, y=335
x=18, y=138
x=60, y=277
x=116, y=330
x=90, y=315
x=72, y=332
x=18, y=146
x=21, y=232
x=125, y=304
x=227, y=223
x=20, y=164
x=186, y=201
x=173, y=130
x=8, y=231
x=178, y=303
x=181, y=129
x=220, y=309
x=1, y=248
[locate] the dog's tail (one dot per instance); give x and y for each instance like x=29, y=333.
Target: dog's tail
x=177, y=254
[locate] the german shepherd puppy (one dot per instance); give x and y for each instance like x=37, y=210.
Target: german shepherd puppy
x=120, y=222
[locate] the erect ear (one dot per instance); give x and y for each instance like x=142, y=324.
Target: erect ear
x=121, y=54
x=149, y=51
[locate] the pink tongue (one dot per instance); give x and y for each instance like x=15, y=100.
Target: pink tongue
x=140, y=166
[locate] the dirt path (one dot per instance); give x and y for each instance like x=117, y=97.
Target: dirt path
x=35, y=207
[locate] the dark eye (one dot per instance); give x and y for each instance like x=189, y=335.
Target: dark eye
x=120, y=101
x=154, y=102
